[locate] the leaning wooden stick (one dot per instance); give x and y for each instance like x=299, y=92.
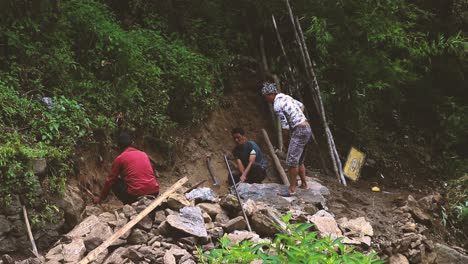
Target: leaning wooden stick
x=28, y=228
x=279, y=168
x=93, y=254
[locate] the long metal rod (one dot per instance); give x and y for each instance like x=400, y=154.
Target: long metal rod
x=237, y=194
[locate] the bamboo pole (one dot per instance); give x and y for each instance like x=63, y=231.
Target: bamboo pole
x=280, y=41
x=278, y=166
x=30, y=235
x=331, y=143
x=93, y=254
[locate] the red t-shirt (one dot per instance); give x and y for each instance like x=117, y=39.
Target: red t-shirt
x=135, y=169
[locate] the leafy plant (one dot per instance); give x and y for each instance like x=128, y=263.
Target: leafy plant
x=297, y=245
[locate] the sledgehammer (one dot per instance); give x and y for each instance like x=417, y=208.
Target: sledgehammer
x=210, y=169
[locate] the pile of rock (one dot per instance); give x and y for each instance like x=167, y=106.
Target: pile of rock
x=415, y=217
x=170, y=234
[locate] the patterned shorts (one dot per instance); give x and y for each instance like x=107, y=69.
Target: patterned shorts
x=296, y=151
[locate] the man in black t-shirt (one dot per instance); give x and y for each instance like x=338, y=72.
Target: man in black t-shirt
x=249, y=159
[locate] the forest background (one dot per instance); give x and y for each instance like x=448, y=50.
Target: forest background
x=393, y=76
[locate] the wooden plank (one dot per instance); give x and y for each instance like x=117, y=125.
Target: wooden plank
x=277, y=162
x=30, y=235
x=93, y=254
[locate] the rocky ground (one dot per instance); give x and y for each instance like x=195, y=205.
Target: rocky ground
x=397, y=222
x=186, y=221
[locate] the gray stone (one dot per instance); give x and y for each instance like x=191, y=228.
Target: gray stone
x=176, y=201
x=55, y=253
x=206, y=217
x=216, y=232
x=137, y=237
x=230, y=203
x=100, y=233
x=268, y=193
x=250, y=207
x=169, y=258
x=146, y=223
x=101, y=257
x=447, y=255
x=159, y=217
x=264, y=224
x=91, y=210
x=164, y=228
x=117, y=257
x=72, y=204
x=239, y=236
x=325, y=223
x=107, y=217
x=398, y=259
x=237, y=223
x=211, y=209
x=8, y=245
x=134, y=255
x=5, y=225
x=201, y=195
x=84, y=227
x=129, y=211
x=74, y=251
x=417, y=212
x=190, y=221
x=355, y=227
x=222, y=218
x=7, y=259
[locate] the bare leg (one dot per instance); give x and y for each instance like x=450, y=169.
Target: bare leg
x=292, y=179
x=302, y=174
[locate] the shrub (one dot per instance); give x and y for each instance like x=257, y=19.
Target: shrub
x=297, y=245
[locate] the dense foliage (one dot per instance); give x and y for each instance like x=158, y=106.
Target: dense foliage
x=70, y=68
x=297, y=245
x=393, y=74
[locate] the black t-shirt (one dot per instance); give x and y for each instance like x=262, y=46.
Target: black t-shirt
x=251, y=148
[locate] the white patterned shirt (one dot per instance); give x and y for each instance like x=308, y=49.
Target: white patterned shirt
x=289, y=111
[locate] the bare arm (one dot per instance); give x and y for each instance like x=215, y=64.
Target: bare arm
x=240, y=166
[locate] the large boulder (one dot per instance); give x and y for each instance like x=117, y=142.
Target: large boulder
x=189, y=220
x=325, y=223
x=266, y=222
x=5, y=225
x=72, y=205
x=176, y=201
x=268, y=193
x=201, y=195
x=416, y=210
x=212, y=209
x=84, y=227
x=448, y=255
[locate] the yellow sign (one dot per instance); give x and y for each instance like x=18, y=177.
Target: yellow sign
x=354, y=163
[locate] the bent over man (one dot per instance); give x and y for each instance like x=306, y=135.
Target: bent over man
x=249, y=158
x=131, y=175
x=291, y=114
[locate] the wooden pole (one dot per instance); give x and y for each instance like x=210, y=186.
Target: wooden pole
x=279, y=168
x=278, y=36
x=93, y=254
x=28, y=228
x=331, y=144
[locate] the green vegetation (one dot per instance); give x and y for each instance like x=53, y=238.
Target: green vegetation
x=92, y=68
x=297, y=245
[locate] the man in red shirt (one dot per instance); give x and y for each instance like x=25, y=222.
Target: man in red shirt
x=136, y=174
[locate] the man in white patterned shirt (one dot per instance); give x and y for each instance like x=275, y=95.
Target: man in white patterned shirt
x=291, y=114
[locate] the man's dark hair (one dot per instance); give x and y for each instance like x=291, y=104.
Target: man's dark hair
x=237, y=130
x=124, y=140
